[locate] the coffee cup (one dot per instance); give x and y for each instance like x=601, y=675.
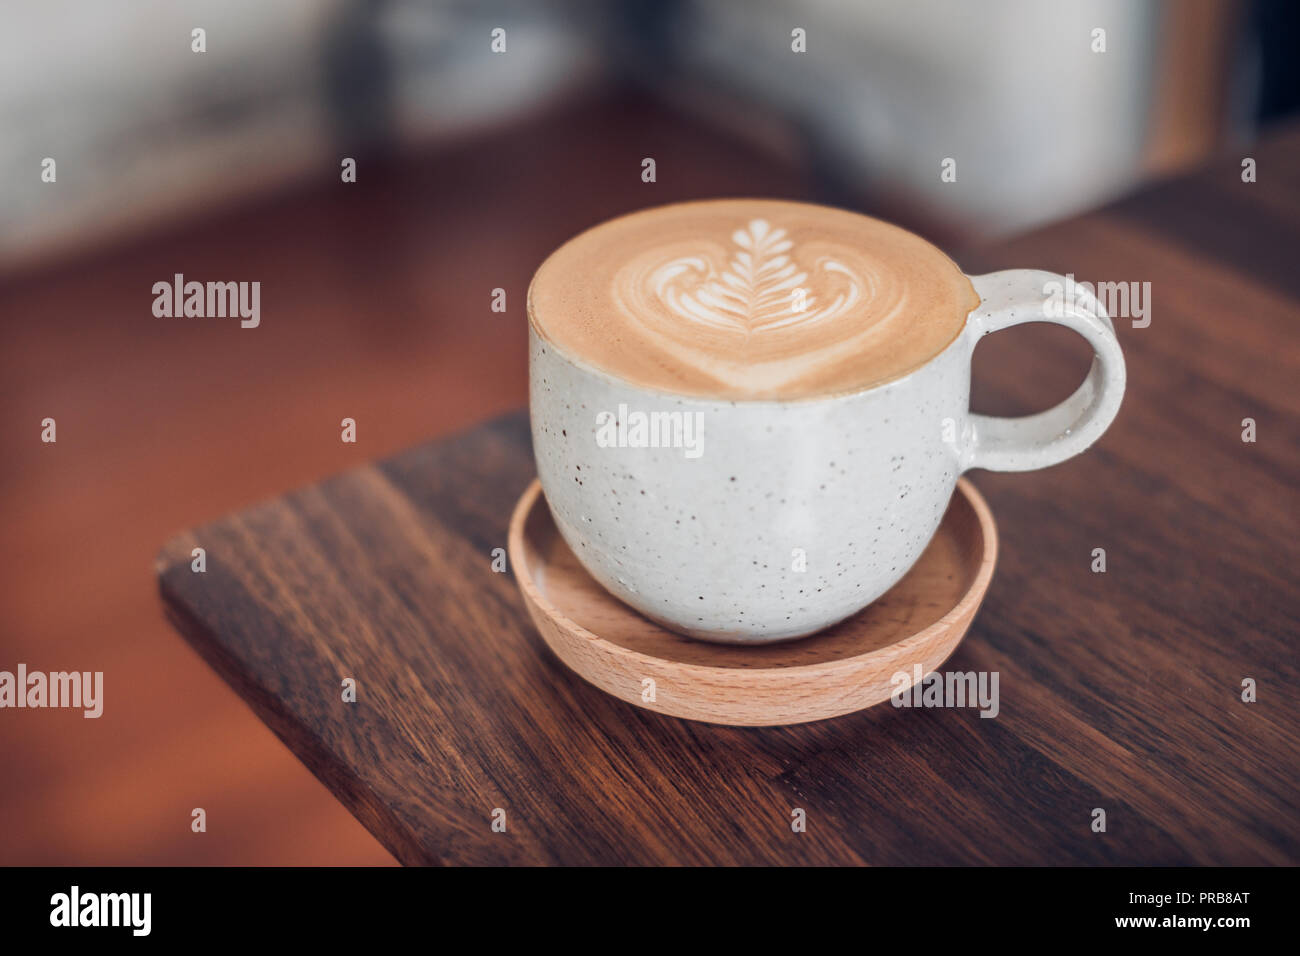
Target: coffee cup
x=749, y=416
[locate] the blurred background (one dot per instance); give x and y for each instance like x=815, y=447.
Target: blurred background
x=472, y=163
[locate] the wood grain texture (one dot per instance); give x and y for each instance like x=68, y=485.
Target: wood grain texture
x=1119, y=690
x=916, y=624
x=376, y=307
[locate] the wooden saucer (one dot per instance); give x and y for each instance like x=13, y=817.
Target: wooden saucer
x=838, y=671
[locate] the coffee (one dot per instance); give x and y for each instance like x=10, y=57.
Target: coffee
x=750, y=299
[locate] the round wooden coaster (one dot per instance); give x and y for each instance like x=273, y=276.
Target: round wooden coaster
x=838, y=671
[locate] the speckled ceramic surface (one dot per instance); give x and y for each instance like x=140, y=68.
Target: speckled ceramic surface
x=768, y=520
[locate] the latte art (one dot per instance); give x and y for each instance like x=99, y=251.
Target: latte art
x=761, y=289
x=750, y=299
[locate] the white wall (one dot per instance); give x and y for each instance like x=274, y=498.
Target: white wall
x=1039, y=124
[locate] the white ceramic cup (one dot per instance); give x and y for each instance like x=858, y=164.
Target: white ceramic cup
x=780, y=518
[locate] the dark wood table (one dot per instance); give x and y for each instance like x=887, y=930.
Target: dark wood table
x=1120, y=691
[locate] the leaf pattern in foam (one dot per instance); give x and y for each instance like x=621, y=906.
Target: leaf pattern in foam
x=755, y=292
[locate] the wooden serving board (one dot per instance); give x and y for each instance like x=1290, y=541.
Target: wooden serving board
x=384, y=575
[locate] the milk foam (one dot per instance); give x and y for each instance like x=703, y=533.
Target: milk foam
x=750, y=299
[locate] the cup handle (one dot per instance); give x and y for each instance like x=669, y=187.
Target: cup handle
x=1017, y=296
